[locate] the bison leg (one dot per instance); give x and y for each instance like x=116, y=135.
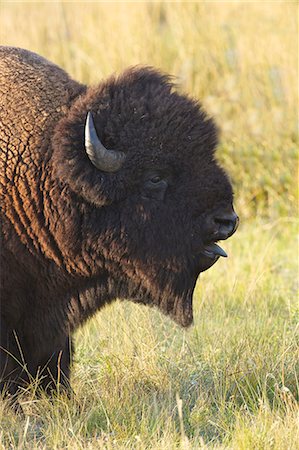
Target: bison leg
x=54, y=370
x=13, y=371
x=19, y=365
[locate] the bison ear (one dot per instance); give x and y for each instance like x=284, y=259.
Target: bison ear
x=104, y=159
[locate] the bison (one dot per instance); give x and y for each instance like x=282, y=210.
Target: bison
x=107, y=192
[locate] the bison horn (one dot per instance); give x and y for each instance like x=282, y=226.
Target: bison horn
x=104, y=159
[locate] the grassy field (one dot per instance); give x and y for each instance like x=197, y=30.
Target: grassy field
x=231, y=381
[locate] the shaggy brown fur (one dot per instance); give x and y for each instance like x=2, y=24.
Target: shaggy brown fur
x=75, y=238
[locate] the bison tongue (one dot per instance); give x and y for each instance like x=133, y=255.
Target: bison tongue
x=213, y=250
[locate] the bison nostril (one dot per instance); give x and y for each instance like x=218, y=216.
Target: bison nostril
x=227, y=224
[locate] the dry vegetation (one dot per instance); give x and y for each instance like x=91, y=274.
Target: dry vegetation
x=231, y=382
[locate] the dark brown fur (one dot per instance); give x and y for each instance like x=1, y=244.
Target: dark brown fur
x=74, y=238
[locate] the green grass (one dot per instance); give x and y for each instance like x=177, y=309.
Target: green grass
x=231, y=381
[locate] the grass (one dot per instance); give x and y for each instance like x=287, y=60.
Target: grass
x=231, y=381
x=240, y=59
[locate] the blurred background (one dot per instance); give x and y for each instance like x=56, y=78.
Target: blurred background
x=231, y=380
x=240, y=59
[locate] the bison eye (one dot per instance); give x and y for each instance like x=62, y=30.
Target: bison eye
x=154, y=187
x=155, y=179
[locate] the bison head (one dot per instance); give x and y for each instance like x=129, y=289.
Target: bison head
x=151, y=200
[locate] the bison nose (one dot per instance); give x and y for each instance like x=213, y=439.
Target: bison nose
x=226, y=224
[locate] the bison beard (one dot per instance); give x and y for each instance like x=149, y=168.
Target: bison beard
x=107, y=192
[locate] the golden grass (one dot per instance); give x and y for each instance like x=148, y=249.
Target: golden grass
x=231, y=381
x=240, y=59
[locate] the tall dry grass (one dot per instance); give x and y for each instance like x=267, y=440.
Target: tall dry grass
x=240, y=59
x=231, y=382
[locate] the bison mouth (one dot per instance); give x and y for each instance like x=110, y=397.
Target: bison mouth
x=208, y=256
x=213, y=250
